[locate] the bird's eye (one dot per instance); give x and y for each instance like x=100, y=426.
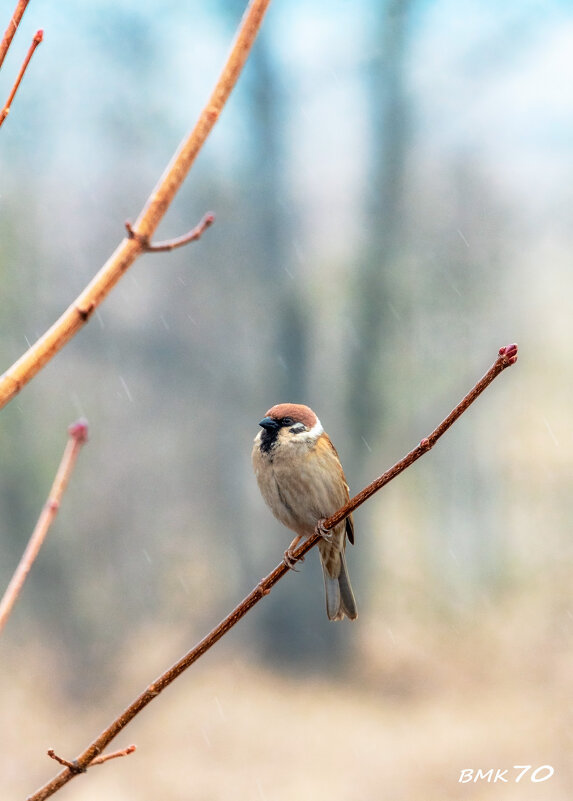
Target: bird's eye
x=287, y=421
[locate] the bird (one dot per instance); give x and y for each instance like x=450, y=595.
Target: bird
x=301, y=479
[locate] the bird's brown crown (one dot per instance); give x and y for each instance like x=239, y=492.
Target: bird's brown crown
x=297, y=411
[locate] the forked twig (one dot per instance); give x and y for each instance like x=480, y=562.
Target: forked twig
x=74, y=767
x=170, y=244
x=78, y=434
x=12, y=28
x=82, y=308
x=507, y=356
x=35, y=42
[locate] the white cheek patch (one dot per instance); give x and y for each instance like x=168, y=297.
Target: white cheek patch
x=316, y=430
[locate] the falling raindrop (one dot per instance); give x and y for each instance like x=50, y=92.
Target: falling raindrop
x=367, y=445
x=462, y=237
x=220, y=708
x=126, y=389
x=551, y=432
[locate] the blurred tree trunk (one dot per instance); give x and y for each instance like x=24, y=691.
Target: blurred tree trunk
x=274, y=226
x=288, y=625
x=374, y=285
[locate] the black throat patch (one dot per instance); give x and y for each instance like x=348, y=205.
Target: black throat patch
x=268, y=439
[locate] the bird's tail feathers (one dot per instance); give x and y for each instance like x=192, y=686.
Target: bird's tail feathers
x=340, y=599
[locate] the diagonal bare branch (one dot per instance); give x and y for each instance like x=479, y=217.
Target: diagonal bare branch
x=12, y=28
x=506, y=357
x=80, y=311
x=39, y=36
x=78, y=434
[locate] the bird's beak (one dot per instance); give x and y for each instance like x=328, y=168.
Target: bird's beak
x=269, y=424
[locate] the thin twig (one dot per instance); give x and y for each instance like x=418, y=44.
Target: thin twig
x=7, y=106
x=80, y=311
x=77, y=437
x=170, y=244
x=74, y=767
x=507, y=356
x=114, y=755
x=11, y=29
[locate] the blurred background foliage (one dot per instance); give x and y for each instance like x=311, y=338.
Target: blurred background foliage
x=392, y=187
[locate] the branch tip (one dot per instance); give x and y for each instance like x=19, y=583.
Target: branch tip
x=79, y=431
x=77, y=436
x=100, y=760
x=507, y=356
x=35, y=42
x=509, y=353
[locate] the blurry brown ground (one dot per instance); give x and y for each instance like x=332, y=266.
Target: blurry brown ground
x=420, y=704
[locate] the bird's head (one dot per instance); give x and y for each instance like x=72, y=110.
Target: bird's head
x=289, y=423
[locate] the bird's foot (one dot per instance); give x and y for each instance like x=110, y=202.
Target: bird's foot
x=289, y=558
x=325, y=533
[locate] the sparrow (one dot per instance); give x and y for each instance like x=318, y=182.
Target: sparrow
x=301, y=478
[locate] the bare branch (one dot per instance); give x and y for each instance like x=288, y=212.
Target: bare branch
x=75, y=768
x=78, y=433
x=171, y=244
x=507, y=356
x=114, y=755
x=35, y=42
x=79, y=312
x=11, y=29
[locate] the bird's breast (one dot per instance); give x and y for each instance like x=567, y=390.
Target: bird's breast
x=300, y=484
